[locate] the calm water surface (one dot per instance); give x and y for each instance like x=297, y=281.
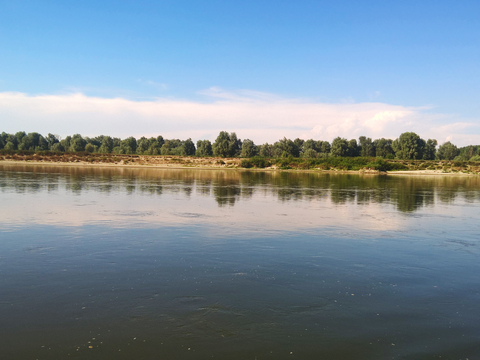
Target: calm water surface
x=103, y=263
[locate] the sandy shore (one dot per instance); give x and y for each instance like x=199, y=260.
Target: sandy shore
x=214, y=164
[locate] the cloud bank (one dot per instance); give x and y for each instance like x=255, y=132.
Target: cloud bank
x=259, y=116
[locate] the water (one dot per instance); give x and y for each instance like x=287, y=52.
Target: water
x=105, y=263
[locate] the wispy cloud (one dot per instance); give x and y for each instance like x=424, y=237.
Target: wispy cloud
x=259, y=116
x=157, y=85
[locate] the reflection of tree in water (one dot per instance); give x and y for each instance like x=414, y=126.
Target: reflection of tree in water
x=188, y=184
x=75, y=185
x=226, y=194
x=408, y=201
x=203, y=187
x=407, y=193
x=471, y=196
x=447, y=196
x=151, y=189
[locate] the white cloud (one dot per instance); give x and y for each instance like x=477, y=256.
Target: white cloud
x=259, y=116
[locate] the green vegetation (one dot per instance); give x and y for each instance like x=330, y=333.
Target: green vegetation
x=409, y=151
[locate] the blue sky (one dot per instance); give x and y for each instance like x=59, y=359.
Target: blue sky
x=419, y=61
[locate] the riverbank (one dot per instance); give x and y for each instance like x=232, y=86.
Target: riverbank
x=344, y=165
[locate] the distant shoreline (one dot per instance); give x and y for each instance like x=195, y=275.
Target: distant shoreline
x=184, y=163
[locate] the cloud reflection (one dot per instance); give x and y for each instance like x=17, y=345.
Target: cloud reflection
x=219, y=199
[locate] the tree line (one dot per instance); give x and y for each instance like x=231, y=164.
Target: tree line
x=408, y=146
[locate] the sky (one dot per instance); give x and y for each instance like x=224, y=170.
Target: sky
x=263, y=69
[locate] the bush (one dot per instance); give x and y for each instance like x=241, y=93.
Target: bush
x=259, y=162
x=246, y=163
x=382, y=165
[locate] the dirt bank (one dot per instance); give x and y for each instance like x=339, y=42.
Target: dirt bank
x=85, y=159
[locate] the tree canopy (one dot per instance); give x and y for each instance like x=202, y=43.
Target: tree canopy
x=408, y=146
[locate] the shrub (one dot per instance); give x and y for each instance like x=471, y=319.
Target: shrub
x=259, y=162
x=246, y=163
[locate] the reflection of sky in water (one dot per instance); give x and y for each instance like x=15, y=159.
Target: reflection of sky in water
x=236, y=265
x=242, y=201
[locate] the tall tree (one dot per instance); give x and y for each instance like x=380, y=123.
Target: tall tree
x=383, y=148
x=249, y=149
x=204, y=148
x=188, y=147
x=129, y=145
x=235, y=145
x=367, y=147
x=339, y=147
x=352, y=149
x=143, y=145
x=447, y=151
x=430, y=149
x=227, y=145
x=107, y=145
x=286, y=147
x=266, y=150
x=77, y=143
x=409, y=146
x=52, y=140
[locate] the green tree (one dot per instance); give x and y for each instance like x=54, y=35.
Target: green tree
x=106, y=146
x=299, y=144
x=19, y=136
x=235, y=145
x=285, y=148
x=129, y=145
x=57, y=147
x=167, y=148
x=188, y=147
x=204, y=148
x=447, y=151
x=227, y=145
x=339, y=147
x=265, y=150
x=155, y=146
x=409, y=146
x=249, y=149
x=430, y=149
x=323, y=147
x=467, y=152
x=383, y=148
x=90, y=148
x=26, y=143
x=310, y=153
x=367, y=147
x=220, y=146
x=143, y=144
x=309, y=144
x=77, y=143
x=352, y=148
x=66, y=143
x=52, y=140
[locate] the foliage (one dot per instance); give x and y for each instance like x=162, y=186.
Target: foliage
x=430, y=149
x=204, y=148
x=366, y=146
x=285, y=148
x=339, y=147
x=447, y=151
x=227, y=145
x=409, y=146
x=468, y=152
x=249, y=149
x=246, y=163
